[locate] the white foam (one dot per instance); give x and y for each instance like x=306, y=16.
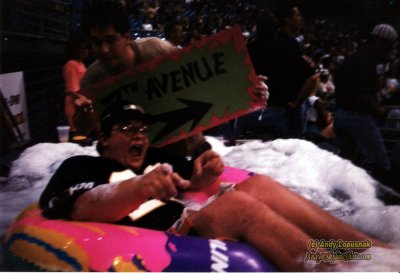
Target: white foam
x=29, y=175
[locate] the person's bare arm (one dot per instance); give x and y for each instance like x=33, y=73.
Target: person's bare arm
x=309, y=87
x=112, y=202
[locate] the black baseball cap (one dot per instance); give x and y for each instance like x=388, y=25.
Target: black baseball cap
x=121, y=111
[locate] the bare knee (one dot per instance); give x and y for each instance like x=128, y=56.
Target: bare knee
x=259, y=181
x=227, y=216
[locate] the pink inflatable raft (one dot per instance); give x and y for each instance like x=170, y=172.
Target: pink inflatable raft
x=36, y=243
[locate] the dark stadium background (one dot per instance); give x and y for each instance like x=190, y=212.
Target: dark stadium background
x=33, y=34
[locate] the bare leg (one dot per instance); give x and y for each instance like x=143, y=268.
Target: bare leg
x=240, y=216
x=309, y=217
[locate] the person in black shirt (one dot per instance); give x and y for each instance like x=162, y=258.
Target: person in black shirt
x=259, y=211
x=292, y=76
x=80, y=174
x=358, y=110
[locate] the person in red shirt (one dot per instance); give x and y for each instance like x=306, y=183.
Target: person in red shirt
x=76, y=51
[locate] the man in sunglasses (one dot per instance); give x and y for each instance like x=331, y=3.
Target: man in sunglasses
x=114, y=188
x=124, y=147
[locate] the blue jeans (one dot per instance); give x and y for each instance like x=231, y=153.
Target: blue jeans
x=362, y=131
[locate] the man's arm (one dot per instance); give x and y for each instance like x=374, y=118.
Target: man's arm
x=112, y=202
x=309, y=87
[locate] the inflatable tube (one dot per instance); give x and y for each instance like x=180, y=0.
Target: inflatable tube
x=60, y=245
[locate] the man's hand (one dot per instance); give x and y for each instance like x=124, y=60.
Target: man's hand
x=161, y=183
x=83, y=119
x=261, y=92
x=83, y=104
x=207, y=168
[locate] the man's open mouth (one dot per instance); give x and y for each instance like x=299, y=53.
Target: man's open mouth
x=136, y=150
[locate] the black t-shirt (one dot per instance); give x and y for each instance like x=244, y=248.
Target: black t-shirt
x=357, y=83
x=282, y=62
x=79, y=174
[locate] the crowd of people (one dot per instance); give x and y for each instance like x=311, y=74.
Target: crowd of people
x=305, y=62
x=198, y=18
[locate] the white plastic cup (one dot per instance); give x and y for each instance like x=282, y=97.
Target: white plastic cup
x=63, y=133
